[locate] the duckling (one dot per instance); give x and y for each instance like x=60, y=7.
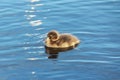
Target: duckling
x=56, y=40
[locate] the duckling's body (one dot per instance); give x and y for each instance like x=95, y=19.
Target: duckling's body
x=56, y=40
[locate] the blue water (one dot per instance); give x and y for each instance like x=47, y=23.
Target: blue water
x=24, y=24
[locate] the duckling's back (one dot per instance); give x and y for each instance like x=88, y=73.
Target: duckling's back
x=66, y=40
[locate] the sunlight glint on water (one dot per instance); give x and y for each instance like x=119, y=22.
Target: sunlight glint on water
x=25, y=23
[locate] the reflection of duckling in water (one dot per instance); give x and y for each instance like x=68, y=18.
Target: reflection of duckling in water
x=56, y=40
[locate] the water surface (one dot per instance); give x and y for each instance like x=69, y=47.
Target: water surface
x=23, y=27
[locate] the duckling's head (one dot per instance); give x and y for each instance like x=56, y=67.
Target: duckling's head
x=53, y=35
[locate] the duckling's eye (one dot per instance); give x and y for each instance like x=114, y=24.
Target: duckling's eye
x=55, y=35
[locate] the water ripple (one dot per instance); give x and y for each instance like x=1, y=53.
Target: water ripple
x=32, y=59
x=25, y=23
x=86, y=61
x=36, y=23
x=30, y=13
